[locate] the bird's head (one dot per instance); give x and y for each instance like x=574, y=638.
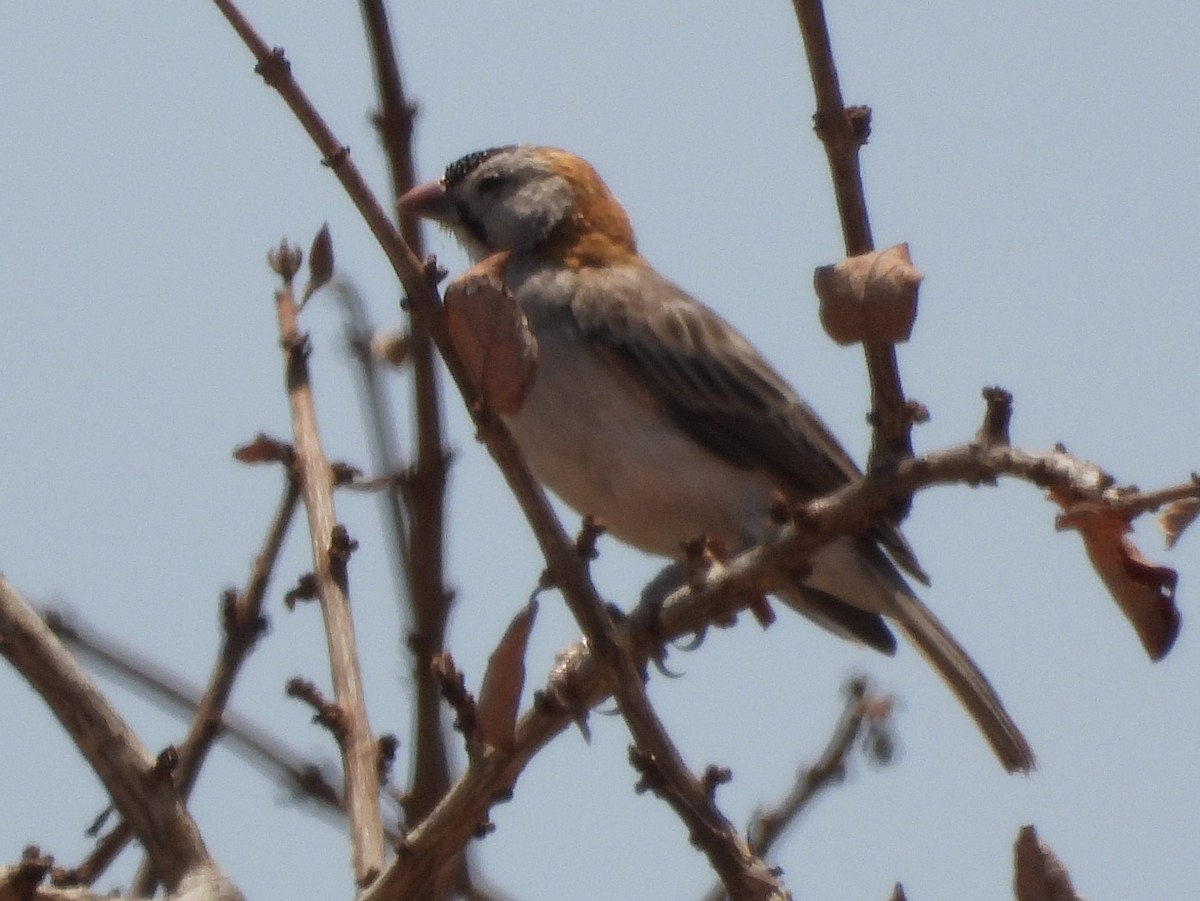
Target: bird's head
x=527, y=199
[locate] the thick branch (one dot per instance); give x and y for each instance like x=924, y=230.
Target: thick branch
x=142, y=791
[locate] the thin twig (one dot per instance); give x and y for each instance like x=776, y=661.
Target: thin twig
x=165, y=688
x=330, y=551
x=385, y=459
x=767, y=826
x=243, y=624
x=429, y=599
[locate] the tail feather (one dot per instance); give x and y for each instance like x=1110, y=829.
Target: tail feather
x=968, y=683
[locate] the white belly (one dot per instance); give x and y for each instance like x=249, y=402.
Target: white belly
x=606, y=451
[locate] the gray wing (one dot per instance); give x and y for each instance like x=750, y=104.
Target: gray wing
x=716, y=387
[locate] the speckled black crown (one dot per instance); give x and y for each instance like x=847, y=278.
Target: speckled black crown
x=461, y=168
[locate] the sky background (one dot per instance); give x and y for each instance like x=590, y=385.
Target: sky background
x=1040, y=159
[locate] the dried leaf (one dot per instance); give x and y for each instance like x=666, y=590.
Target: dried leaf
x=491, y=335
x=503, y=682
x=264, y=449
x=871, y=297
x=1038, y=874
x=320, y=264
x=1144, y=591
x=499, y=698
x=1177, y=516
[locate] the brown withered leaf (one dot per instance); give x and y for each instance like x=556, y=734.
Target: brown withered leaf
x=264, y=449
x=1177, y=516
x=1144, y=591
x=320, y=263
x=1038, y=874
x=871, y=297
x=503, y=682
x=491, y=335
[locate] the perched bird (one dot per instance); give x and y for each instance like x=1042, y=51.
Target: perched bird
x=651, y=412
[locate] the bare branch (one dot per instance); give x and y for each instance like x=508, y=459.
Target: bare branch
x=578, y=682
x=142, y=793
x=429, y=599
x=864, y=710
x=842, y=131
x=243, y=625
x=330, y=549
x=768, y=826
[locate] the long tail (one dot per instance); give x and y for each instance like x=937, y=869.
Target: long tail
x=970, y=685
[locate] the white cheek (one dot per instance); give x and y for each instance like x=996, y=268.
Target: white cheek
x=522, y=220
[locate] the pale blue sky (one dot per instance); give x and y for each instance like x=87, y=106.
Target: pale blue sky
x=1039, y=158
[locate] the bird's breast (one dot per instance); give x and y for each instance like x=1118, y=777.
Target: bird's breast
x=599, y=441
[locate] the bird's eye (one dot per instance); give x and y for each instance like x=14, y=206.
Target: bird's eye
x=489, y=184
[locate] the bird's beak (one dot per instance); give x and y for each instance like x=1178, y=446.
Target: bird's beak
x=428, y=201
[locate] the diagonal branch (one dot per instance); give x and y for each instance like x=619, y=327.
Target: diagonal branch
x=140, y=787
x=579, y=684
x=243, y=624
x=859, y=711
x=737, y=866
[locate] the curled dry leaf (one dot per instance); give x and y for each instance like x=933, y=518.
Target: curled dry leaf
x=1177, y=516
x=503, y=682
x=1144, y=591
x=1038, y=874
x=871, y=297
x=491, y=335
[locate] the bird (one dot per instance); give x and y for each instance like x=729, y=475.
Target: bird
x=651, y=412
